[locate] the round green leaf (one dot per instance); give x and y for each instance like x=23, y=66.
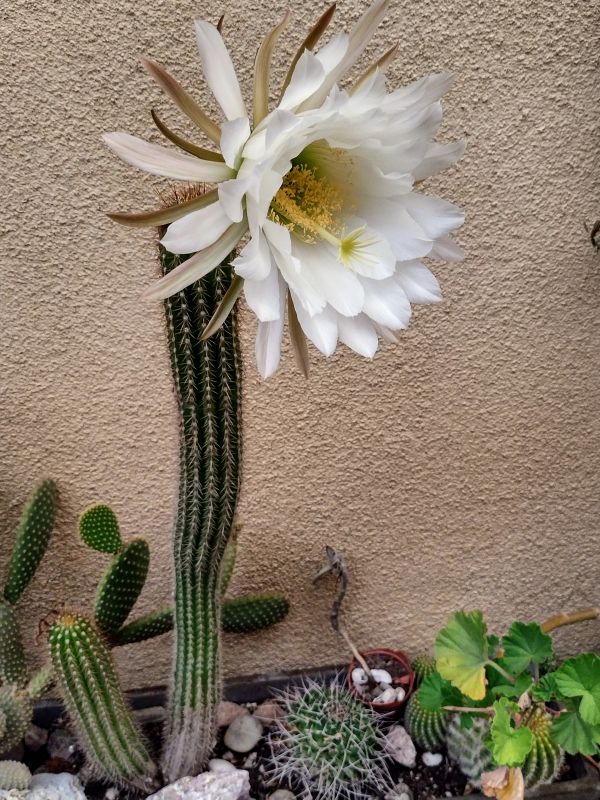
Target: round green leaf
x=461, y=653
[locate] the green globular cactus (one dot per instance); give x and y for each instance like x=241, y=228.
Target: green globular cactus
x=121, y=585
x=329, y=744
x=427, y=728
x=546, y=757
x=466, y=746
x=253, y=612
x=99, y=529
x=17, y=709
x=95, y=701
x=424, y=666
x=207, y=379
x=13, y=669
x=33, y=535
x=14, y=775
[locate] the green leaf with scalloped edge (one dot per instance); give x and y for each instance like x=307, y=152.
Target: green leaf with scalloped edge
x=525, y=644
x=575, y=735
x=461, y=652
x=580, y=677
x=99, y=528
x=513, y=690
x=508, y=744
x=435, y=692
x=545, y=689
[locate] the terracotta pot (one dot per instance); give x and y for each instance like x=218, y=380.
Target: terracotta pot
x=406, y=681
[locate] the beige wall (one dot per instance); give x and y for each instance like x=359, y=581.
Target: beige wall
x=460, y=469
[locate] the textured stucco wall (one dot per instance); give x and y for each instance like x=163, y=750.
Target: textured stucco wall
x=461, y=469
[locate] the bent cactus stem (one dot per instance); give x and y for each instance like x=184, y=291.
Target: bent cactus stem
x=207, y=380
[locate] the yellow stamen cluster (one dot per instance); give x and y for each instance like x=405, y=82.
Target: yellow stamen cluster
x=307, y=204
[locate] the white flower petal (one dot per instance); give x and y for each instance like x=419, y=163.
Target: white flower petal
x=161, y=161
x=218, y=70
x=419, y=284
x=197, y=266
x=254, y=262
x=321, y=329
x=359, y=335
x=196, y=230
x=311, y=299
x=278, y=236
x=420, y=93
x=374, y=256
x=406, y=238
x=263, y=296
x=446, y=249
x=308, y=75
x=439, y=157
x=386, y=303
x=268, y=340
x=338, y=285
x=234, y=135
x=231, y=195
x=436, y=217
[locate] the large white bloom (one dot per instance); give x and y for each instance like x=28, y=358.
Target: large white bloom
x=319, y=192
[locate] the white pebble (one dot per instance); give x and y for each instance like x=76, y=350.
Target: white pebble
x=220, y=765
x=389, y=696
x=400, y=694
x=243, y=734
x=432, y=759
x=359, y=677
x=382, y=676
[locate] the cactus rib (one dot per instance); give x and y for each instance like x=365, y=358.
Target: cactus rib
x=33, y=535
x=427, y=728
x=85, y=671
x=13, y=669
x=546, y=757
x=207, y=380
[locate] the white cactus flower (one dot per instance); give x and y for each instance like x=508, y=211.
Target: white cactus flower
x=318, y=193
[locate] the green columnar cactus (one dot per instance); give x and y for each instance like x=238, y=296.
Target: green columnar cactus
x=85, y=671
x=14, y=775
x=33, y=534
x=40, y=682
x=424, y=666
x=466, y=746
x=12, y=654
x=329, y=744
x=121, y=585
x=253, y=612
x=207, y=379
x=546, y=757
x=16, y=708
x=427, y=728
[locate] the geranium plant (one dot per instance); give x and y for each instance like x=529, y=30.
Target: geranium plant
x=514, y=682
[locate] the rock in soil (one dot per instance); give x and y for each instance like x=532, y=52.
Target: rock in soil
x=400, y=792
x=229, y=711
x=282, y=794
x=62, y=745
x=400, y=747
x=432, y=759
x=208, y=786
x=268, y=712
x=55, y=787
x=243, y=734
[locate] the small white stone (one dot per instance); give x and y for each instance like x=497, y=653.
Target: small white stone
x=111, y=794
x=55, y=787
x=208, y=786
x=388, y=696
x=228, y=711
x=219, y=765
x=400, y=746
x=382, y=676
x=432, y=759
x=243, y=734
x=400, y=694
x=359, y=676
x=282, y=794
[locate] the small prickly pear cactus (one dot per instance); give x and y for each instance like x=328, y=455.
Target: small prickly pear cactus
x=329, y=743
x=33, y=534
x=99, y=529
x=424, y=666
x=16, y=708
x=253, y=612
x=427, y=728
x=14, y=775
x=87, y=677
x=466, y=746
x=546, y=757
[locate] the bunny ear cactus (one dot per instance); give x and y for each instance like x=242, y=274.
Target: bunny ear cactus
x=99, y=529
x=85, y=671
x=121, y=586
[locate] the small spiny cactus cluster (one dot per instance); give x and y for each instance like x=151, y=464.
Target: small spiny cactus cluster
x=424, y=666
x=17, y=692
x=14, y=775
x=329, y=744
x=466, y=746
x=546, y=757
